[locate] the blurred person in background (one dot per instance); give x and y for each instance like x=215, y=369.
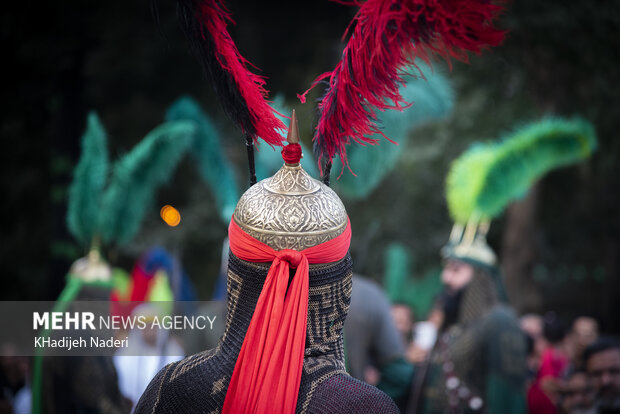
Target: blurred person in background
x=577, y=394
x=585, y=331
x=544, y=393
x=532, y=325
x=14, y=370
x=478, y=362
x=425, y=334
x=79, y=383
x=374, y=347
x=370, y=334
x=404, y=321
x=149, y=350
x=602, y=362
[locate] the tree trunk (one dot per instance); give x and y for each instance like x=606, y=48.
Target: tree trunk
x=518, y=253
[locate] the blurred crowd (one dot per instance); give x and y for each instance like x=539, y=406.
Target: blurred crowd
x=470, y=350
x=571, y=368
x=473, y=353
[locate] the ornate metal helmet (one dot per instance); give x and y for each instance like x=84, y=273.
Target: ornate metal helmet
x=289, y=239
x=468, y=243
x=291, y=210
x=91, y=268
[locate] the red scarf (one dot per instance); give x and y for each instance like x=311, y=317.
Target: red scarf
x=268, y=370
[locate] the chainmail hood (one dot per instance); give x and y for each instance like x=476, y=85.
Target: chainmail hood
x=479, y=296
x=199, y=383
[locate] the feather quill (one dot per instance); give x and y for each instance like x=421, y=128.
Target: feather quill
x=89, y=179
x=487, y=177
x=241, y=92
x=136, y=176
x=387, y=36
x=214, y=166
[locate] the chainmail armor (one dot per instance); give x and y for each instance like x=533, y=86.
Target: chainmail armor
x=485, y=339
x=198, y=384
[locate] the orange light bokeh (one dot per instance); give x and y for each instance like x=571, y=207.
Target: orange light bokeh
x=170, y=215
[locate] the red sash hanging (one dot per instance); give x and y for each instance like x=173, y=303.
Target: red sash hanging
x=268, y=370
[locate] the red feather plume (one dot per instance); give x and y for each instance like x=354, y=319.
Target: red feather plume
x=241, y=92
x=388, y=36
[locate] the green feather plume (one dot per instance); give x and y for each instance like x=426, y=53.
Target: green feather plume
x=487, y=177
x=136, y=176
x=213, y=165
x=432, y=98
x=88, y=182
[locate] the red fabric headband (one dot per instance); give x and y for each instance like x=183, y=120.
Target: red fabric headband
x=268, y=370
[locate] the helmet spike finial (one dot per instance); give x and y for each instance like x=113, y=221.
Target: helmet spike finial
x=293, y=131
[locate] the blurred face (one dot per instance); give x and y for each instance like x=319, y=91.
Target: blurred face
x=604, y=369
x=403, y=320
x=585, y=332
x=456, y=275
x=532, y=325
x=579, y=394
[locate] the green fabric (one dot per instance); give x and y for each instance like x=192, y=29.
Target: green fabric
x=418, y=292
x=121, y=282
x=396, y=378
x=160, y=288
x=397, y=270
x=489, y=359
x=505, y=350
x=161, y=292
x=70, y=291
x=502, y=397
